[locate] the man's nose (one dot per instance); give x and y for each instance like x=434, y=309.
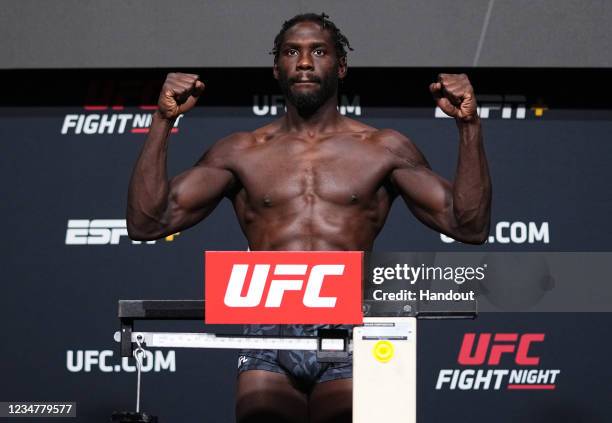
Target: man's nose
x=305, y=62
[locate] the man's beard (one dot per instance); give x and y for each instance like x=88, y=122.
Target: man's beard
x=307, y=103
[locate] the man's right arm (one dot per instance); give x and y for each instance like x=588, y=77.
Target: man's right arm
x=157, y=206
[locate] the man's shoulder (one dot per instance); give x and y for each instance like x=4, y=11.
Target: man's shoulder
x=353, y=125
x=378, y=135
x=233, y=142
x=223, y=152
x=398, y=144
x=238, y=143
x=390, y=136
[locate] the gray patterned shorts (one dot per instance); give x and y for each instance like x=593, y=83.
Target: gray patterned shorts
x=301, y=366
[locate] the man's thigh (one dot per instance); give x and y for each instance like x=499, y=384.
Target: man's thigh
x=332, y=401
x=264, y=396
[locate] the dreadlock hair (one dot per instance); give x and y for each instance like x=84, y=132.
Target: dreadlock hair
x=339, y=39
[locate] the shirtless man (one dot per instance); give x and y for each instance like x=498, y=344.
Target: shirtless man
x=311, y=180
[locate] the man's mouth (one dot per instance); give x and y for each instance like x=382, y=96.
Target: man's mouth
x=306, y=81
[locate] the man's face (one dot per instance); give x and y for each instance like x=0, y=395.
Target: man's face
x=307, y=67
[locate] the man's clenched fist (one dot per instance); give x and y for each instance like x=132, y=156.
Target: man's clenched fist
x=179, y=94
x=454, y=94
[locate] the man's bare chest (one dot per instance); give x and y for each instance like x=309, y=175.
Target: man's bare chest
x=339, y=171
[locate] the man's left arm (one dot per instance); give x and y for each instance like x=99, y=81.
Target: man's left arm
x=460, y=209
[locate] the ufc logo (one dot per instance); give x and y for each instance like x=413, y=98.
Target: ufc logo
x=503, y=343
x=254, y=295
x=283, y=287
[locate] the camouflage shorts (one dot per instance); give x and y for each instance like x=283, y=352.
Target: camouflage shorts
x=301, y=366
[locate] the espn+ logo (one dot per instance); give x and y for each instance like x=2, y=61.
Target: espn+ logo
x=281, y=287
x=490, y=350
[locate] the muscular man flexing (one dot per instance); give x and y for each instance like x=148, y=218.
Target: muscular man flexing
x=311, y=180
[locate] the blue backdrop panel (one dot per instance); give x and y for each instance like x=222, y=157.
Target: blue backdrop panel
x=61, y=280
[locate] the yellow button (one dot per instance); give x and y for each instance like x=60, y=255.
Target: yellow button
x=383, y=351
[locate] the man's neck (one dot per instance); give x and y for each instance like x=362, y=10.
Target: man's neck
x=325, y=119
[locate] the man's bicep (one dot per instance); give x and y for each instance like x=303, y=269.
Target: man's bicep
x=193, y=195
x=200, y=187
x=197, y=191
x=429, y=198
x=428, y=195
x=424, y=191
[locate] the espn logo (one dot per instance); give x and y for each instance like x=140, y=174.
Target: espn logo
x=101, y=232
x=283, y=287
x=95, y=232
x=503, y=343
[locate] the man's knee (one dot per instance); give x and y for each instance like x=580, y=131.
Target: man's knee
x=332, y=402
x=269, y=397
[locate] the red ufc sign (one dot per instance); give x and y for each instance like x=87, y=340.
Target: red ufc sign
x=503, y=343
x=281, y=287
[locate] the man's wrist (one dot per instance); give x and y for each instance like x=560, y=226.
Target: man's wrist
x=469, y=132
x=471, y=121
x=158, y=118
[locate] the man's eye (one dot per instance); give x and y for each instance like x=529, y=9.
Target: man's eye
x=292, y=52
x=319, y=52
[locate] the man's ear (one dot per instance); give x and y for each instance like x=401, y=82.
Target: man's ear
x=275, y=70
x=342, y=67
